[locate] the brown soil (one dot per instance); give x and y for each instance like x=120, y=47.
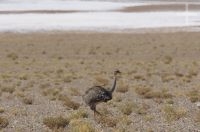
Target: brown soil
x=160, y=76
x=161, y=7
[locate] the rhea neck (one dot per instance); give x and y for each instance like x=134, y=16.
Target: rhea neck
x=114, y=84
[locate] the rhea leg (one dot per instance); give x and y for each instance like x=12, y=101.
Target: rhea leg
x=93, y=107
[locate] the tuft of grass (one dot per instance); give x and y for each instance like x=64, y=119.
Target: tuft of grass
x=167, y=59
x=148, y=117
x=169, y=101
x=55, y=122
x=45, y=85
x=158, y=94
x=122, y=87
x=81, y=126
x=194, y=96
x=78, y=114
x=8, y=89
x=52, y=93
x=68, y=102
x=197, y=117
x=74, y=92
x=142, y=90
x=68, y=77
x=124, y=120
x=27, y=100
x=142, y=110
x=59, y=71
x=168, y=78
x=101, y=81
x=12, y=56
x=127, y=108
x=104, y=110
x=117, y=98
x=107, y=121
x=3, y=122
x=148, y=93
x=139, y=77
x=2, y=110
x=172, y=113
x=23, y=77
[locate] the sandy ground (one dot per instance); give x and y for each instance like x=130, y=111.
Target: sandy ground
x=38, y=68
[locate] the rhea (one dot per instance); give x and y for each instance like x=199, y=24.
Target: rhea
x=98, y=94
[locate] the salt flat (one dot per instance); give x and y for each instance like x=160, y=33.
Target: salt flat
x=104, y=21
x=88, y=15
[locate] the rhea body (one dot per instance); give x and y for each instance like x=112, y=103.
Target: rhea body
x=98, y=94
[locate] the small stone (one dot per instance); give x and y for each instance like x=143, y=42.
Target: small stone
x=198, y=104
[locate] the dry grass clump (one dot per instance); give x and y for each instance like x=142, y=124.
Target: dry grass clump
x=149, y=93
x=172, y=113
x=194, y=96
x=167, y=59
x=104, y=110
x=81, y=126
x=45, y=85
x=67, y=78
x=127, y=108
x=124, y=120
x=139, y=77
x=122, y=87
x=74, y=92
x=107, y=121
x=148, y=117
x=12, y=56
x=192, y=72
x=2, y=110
x=78, y=114
x=186, y=79
x=55, y=122
x=3, y=122
x=8, y=89
x=27, y=100
x=142, y=109
x=68, y=102
x=197, y=118
x=158, y=94
x=142, y=90
x=23, y=77
x=101, y=81
x=168, y=78
x=52, y=93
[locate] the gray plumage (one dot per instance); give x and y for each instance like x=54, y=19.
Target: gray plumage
x=98, y=94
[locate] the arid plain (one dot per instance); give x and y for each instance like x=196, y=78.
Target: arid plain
x=44, y=75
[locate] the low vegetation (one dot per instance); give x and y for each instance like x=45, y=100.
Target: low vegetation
x=122, y=87
x=81, y=126
x=107, y=121
x=3, y=122
x=78, y=114
x=197, y=117
x=194, y=95
x=12, y=56
x=172, y=113
x=43, y=77
x=27, y=100
x=68, y=102
x=146, y=92
x=55, y=122
x=127, y=108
